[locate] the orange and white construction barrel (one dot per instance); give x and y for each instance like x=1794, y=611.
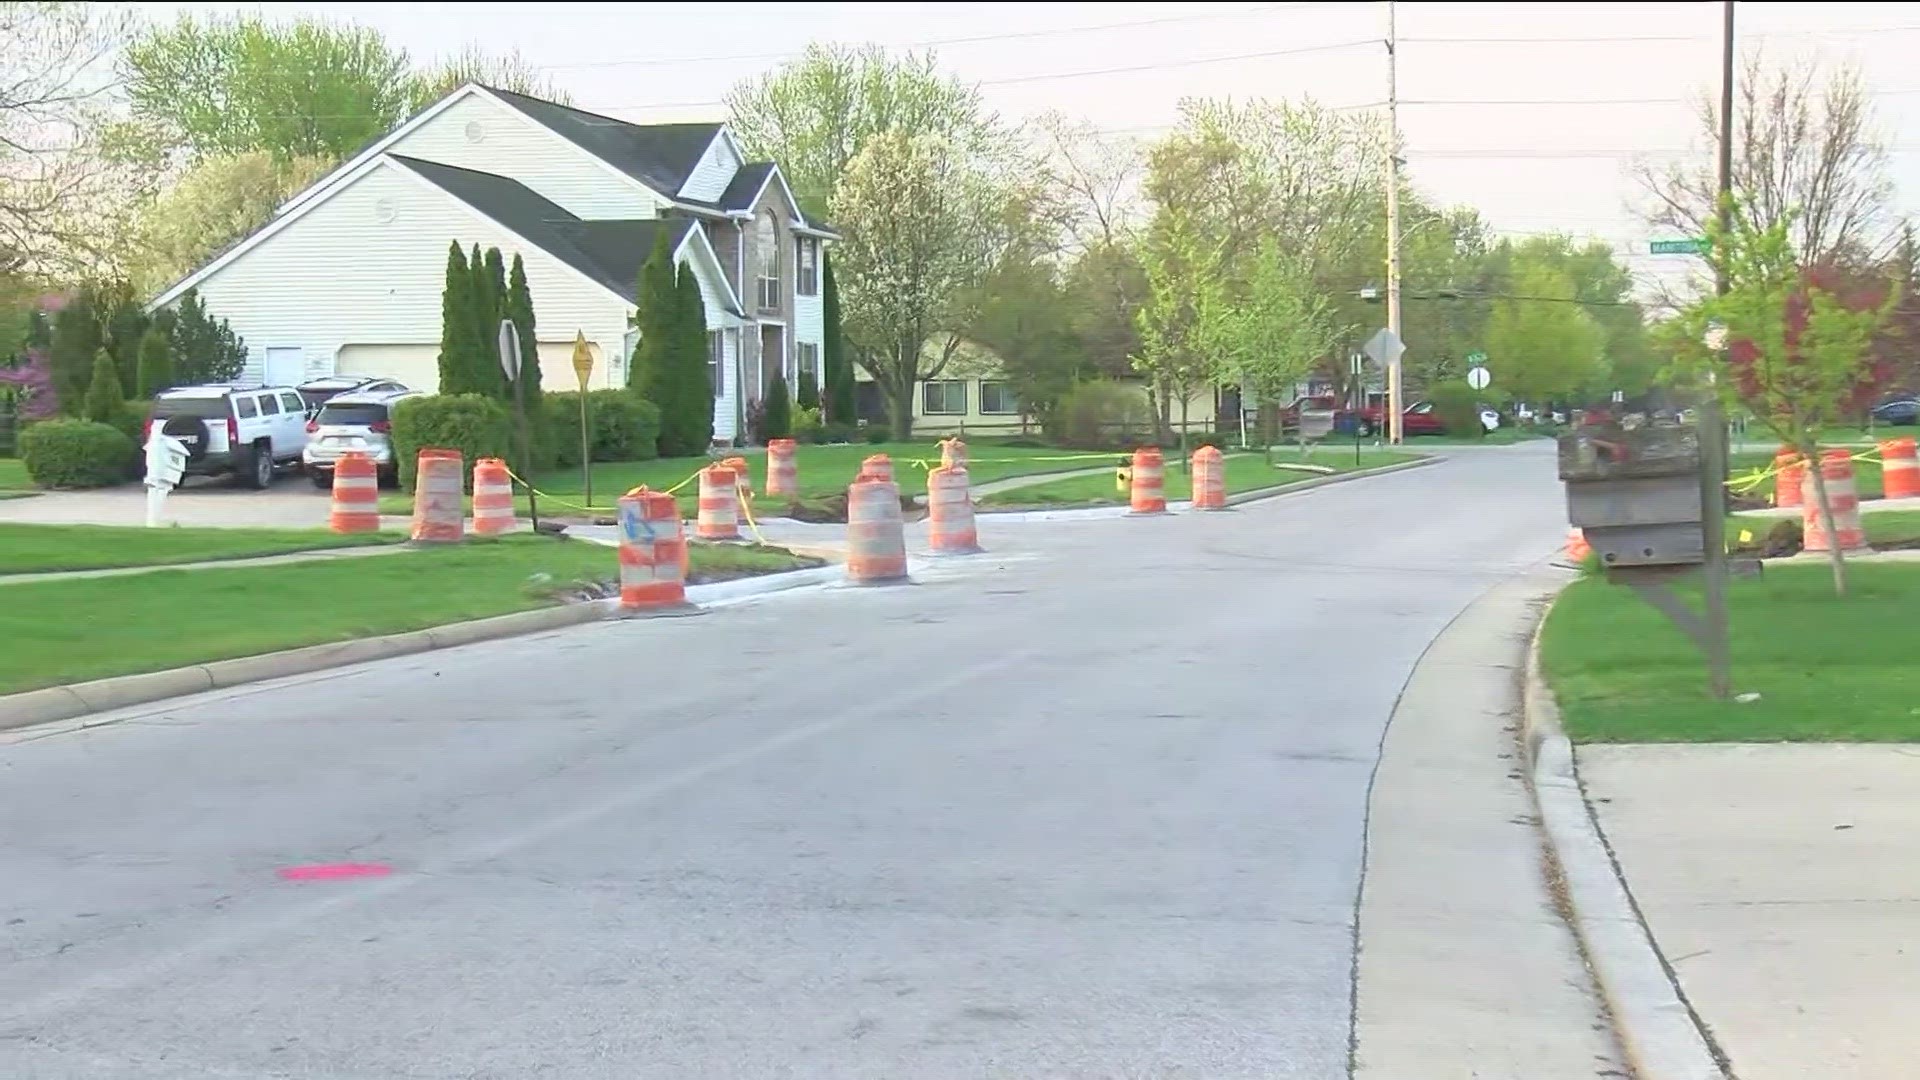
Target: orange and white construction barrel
x=876, y=535
x=742, y=474
x=1577, y=547
x=783, y=469
x=1790, y=471
x=1899, y=469
x=653, y=553
x=439, y=488
x=1209, y=479
x=1148, y=494
x=356, y=495
x=1836, y=467
x=877, y=467
x=719, y=504
x=492, y=497
x=950, y=525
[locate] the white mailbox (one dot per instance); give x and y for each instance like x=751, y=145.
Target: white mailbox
x=166, y=465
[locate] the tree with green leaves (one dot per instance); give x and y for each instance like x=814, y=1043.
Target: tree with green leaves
x=490, y=305
x=1183, y=271
x=104, y=399
x=76, y=339
x=838, y=406
x=216, y=201
x=205, y=348
x=156, y=363
x=229, y=85
x=457, y=344
x=1792, y=344
x=508, y=71
x=1544, y=345
x=519, y=308
x=925, y=222
x=815, y=114
x=655, y=317
x=693, y=384
x=1027, y=318
x=808, y=394
x=1269, y=337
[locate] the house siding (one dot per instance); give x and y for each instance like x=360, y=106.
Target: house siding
x=512, y=144
x=772, y=199
x=366, y=266
x=711, y=176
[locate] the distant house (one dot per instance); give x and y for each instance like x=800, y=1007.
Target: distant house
x=346, y=278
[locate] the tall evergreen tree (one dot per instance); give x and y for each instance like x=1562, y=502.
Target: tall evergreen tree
x=808, y=396
x=205, y=349
x=104, y=399
x=456, y=323
x=76, y=338
x=694, y=392
x=519, y=308
x=493, y=283
x=655, y=319
x=839, y=405
x=156, y=363
x=778, y=421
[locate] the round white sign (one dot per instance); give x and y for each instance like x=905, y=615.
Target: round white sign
x=1478, y=378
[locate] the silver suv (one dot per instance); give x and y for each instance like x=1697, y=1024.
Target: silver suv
x=248, y=432
x=360, y=421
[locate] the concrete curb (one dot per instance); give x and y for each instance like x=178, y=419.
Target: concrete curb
x=1656, y=1028
x=1088, y=513
x=103, y=695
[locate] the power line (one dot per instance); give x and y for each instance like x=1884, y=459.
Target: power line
x=1563, y=102
x=1016, y=35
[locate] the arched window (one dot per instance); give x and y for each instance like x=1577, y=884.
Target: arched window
x=767, y=240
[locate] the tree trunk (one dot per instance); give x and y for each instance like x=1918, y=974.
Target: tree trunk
x=1834, y=555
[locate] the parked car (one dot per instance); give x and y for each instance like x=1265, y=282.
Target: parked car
x=361, y=421
x=1897, y=411
x=317, y=392
x=1419, y=419
x=245, y=431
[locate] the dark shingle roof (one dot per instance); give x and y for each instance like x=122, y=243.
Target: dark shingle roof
x=660, y=156
x=609, y=252
x=745, y=185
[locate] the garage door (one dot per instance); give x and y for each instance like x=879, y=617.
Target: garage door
x=416, y=365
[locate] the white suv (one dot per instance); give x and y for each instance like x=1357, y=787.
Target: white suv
x=246, y=432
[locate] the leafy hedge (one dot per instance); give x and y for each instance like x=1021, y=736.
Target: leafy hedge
x=75, y=454
x=625, y=426
x=1100, y=415
x=476, y=426
x=1458, y=407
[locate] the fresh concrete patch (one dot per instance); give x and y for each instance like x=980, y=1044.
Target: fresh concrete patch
x=1657, y=1028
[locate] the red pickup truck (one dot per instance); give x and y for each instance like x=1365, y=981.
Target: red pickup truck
x=1417, y=419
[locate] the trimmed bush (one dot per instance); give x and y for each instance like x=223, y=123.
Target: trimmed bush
x=778, y=423
x=104, y=399
x=473, y=424
x=626, y=427
x=808, y=427
x=1458, y=407
x=1101, y=415
x=75, y=453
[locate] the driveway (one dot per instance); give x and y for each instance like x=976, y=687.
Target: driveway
x=1089, y=806
x=292, y=502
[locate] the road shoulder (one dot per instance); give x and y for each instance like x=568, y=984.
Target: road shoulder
x=1465, y=967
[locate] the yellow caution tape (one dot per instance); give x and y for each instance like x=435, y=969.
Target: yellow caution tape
x=557, y=500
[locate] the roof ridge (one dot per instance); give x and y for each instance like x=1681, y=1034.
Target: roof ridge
x=715, y=124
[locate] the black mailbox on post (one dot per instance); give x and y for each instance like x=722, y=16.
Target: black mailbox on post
x=1635, y=493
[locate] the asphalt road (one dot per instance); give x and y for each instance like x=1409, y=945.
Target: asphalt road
x=1089, y=806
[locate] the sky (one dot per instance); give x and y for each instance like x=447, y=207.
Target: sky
x=1533, y=113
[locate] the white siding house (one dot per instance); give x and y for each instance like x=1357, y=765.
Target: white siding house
x=347, y=276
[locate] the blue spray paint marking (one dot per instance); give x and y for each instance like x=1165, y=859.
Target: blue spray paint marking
x=634, y=527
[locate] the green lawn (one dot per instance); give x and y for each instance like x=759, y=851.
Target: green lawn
x=824, y=470
x=26, y=549
x=1866, y=474
x=1883, y=527
x=1505, y=436
x=13, y=475
x=1245, y=472
x=1827, y=668
x=70, y=631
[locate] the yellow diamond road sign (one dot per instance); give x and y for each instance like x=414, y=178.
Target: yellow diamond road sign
x=582, y=358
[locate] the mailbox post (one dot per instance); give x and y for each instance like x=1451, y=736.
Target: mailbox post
x=1636, y=494
x=166, y=464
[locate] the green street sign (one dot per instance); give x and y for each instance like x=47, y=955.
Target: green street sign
x=1678, y=247
x=1476, y=358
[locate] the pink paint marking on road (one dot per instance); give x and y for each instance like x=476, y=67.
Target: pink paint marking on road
x=334, y=871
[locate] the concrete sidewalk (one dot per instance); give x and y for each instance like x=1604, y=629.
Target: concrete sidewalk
x=1781, y=882
x=1466, y=969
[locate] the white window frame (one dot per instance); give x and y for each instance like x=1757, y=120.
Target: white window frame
x=926, y=401
x=1007, y=385
x=770, y=289
x=716, y=360
x=806, y=274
